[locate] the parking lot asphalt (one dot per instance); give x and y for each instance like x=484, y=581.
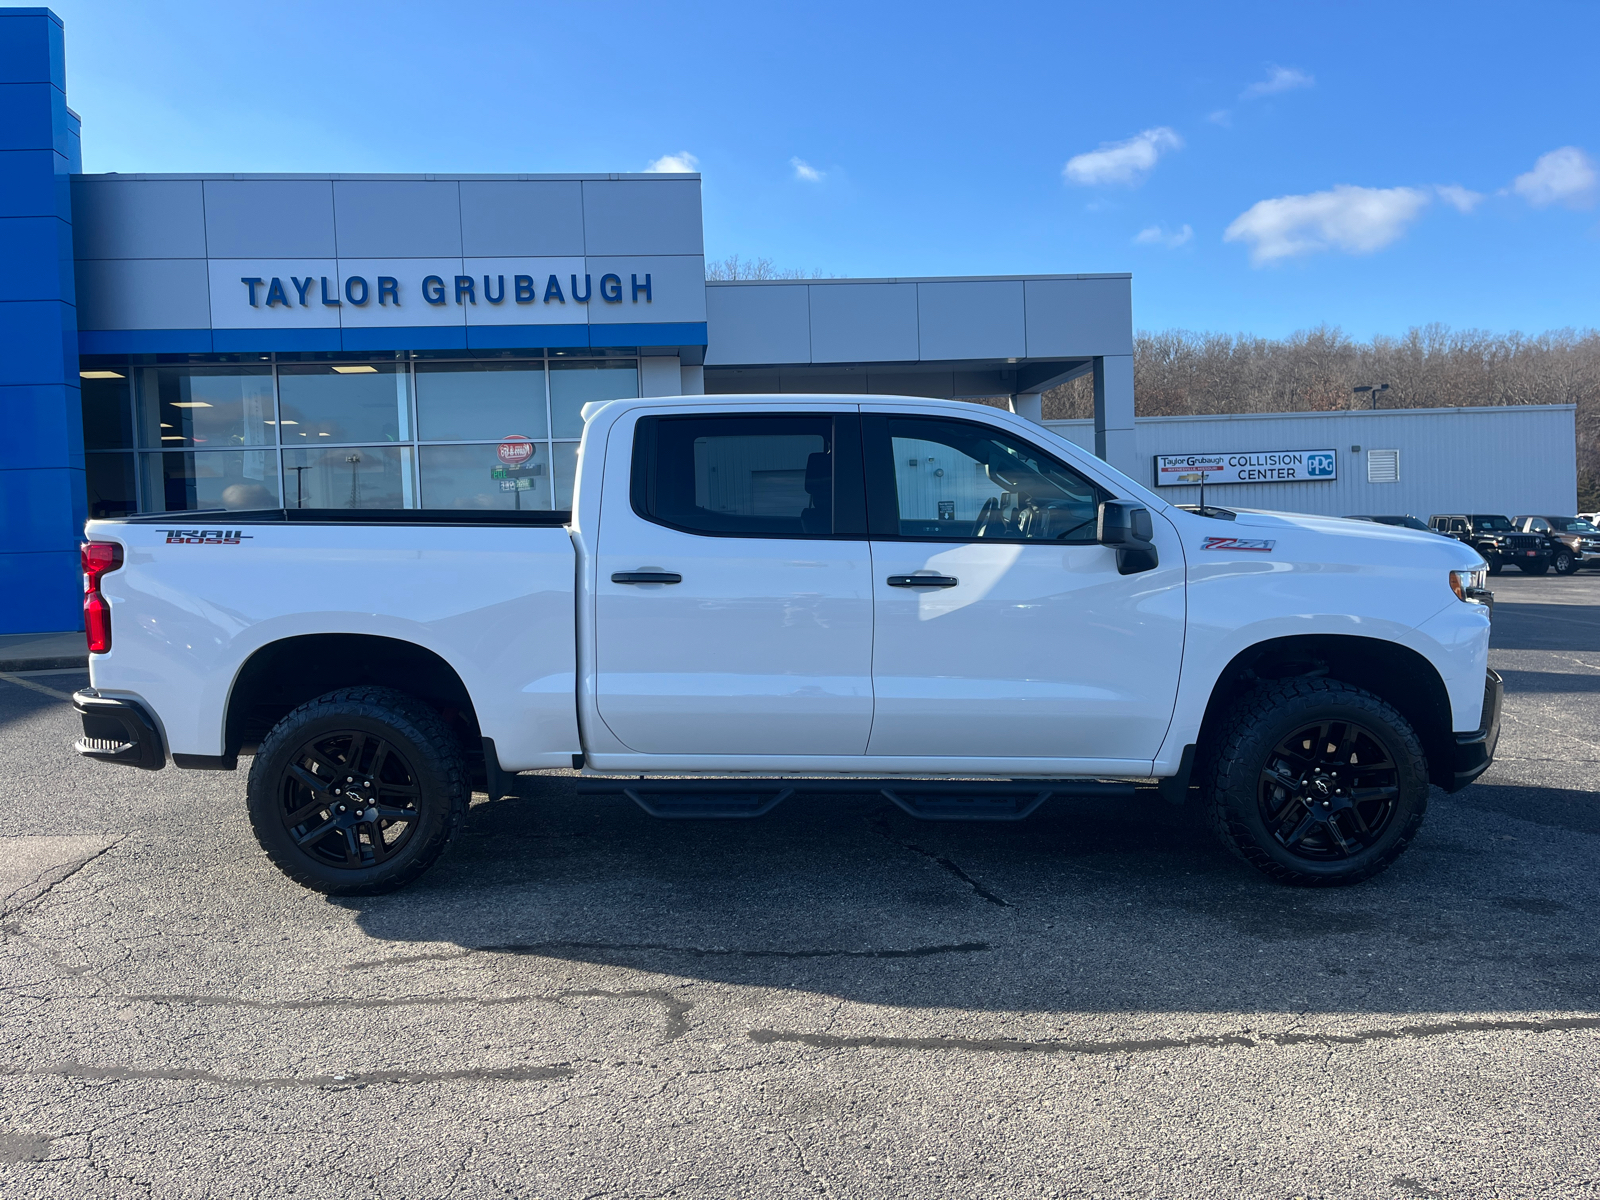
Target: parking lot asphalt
x=835, y=1000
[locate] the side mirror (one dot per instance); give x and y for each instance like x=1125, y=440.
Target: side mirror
x=1129, y=528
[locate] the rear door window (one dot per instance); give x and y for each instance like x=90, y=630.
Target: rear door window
x=756, y=475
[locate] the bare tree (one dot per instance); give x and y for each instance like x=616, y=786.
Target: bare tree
x=1431, y=366
x=734, y=267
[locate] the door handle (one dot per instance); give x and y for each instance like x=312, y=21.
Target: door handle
x=913, y=581
x=646, y=577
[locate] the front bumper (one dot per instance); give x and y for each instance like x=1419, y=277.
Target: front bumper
x=1473, y=752
x=118, y=731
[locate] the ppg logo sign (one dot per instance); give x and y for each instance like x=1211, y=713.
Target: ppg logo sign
x=1319, y=466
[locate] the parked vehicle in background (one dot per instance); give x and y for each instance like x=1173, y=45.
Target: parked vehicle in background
x=1405, y=522
x=1494, y=537
x=763, y=596
x=1573, y=541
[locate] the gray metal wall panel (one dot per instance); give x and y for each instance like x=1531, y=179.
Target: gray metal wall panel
x=1509, y=460
x=521, y=218
x=138, y=218
x=1071, y=317
x=864, y=322
x=677, y=289
x=143, y=293
x=971, y=320
x=760, y=323
x=269, y=218
x=397, y=218
x=642, y=216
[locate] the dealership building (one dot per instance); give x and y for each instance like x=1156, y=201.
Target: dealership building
x=181, y=343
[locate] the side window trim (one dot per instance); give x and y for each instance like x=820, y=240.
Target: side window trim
x=883, y=503
x=849, y=501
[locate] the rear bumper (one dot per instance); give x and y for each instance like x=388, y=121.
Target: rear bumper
x=1475, y=751
x=118, y=731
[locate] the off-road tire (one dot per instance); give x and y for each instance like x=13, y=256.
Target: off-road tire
x=1496, y=564
x=1534, y=568
x=1231, y=777
x=427, y=748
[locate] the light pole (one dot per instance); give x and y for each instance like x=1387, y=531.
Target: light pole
x=1374, y=388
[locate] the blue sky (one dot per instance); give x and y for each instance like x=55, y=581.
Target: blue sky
x=1257, y=167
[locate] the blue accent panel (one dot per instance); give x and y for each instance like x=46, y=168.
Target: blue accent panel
x=678, y=333
x=33, y=116
x=144, y=341
x=407, y=337
x=261, y=341
x=516, y=337
x=31, y=47
x=44, y=508
x=41, y=422
x=38, y=342
x=33, y=183
x=41, y=593
x=37, y=253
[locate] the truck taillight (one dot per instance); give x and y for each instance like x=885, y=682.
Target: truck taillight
x=98, y=558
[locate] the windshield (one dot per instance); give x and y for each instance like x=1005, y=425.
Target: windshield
x=1403, y=522
x=1572, y=525
x=1492, y=524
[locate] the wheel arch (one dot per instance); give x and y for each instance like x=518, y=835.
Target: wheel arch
x=283, y=674
x=1396, y=674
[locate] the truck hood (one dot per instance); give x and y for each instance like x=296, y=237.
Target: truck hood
x=1307, y=538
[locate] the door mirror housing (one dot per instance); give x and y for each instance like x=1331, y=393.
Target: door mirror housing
x=1130, y=530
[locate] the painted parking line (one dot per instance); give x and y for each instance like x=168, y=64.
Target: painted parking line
x=34, y=687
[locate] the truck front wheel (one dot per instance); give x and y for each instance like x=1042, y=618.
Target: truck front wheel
x=1316, y=783
x=358, y=791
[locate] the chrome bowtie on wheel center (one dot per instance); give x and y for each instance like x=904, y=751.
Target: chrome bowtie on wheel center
x=1328, y=790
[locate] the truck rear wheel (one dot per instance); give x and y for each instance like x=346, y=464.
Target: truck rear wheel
x=1316, y=783
x=358, y=791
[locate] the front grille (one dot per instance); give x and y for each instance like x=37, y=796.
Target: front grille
x=1524, y=541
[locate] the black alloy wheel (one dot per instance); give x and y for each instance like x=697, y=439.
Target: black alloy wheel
x=1328, y=790
x=1565, y=562
x=358, y=791
x=1314, y=782
x=349, y=799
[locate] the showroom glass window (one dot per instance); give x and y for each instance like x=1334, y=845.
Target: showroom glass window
x=340, y=431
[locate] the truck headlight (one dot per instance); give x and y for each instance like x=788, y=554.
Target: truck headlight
x=1467, y=585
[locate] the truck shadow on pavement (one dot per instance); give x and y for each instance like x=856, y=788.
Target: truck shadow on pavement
x=1084, y=907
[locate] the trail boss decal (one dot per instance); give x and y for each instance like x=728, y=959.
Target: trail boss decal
x=205, y=537
x=1263, y=545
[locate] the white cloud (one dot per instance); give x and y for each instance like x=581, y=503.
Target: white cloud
x=805, y=172
x=1460, y=198
x=673, y=164
x=1122, y=162
x=1155, y=235
x=1356, y=220
x=1221, y=116
x=1279, y=79
x=1565, y=176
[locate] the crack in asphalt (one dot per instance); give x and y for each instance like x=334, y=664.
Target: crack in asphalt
x=880, y=826
x=77, y=1070
x=526, y=948
x=67, y=871
x=823, y=1041
x=677, y=1010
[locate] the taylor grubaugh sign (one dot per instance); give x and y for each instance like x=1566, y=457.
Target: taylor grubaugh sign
x=1260, y=466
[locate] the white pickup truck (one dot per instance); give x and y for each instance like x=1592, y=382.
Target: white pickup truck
x=755, y=597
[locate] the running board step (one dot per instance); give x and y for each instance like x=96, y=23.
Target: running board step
x=928, y=799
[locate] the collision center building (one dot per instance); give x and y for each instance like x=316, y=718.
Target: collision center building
x=181, y=343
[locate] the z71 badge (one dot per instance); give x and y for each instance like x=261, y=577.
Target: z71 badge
x=1262, y=545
